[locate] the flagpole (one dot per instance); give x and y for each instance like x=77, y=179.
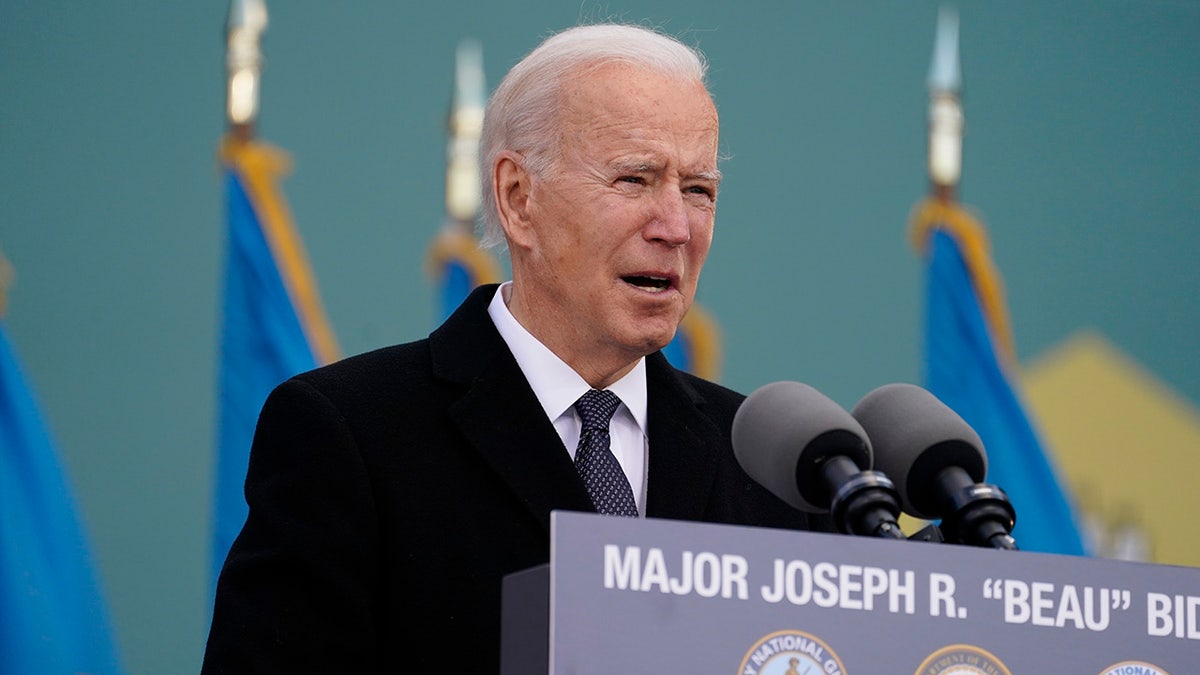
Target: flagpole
x=273, y=323
x=455, y=260
x=947, y=124
x=464, y=128
x=244, y=27
x=946, y=119
x=970, y=357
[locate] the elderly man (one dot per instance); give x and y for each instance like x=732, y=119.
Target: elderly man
x=390, y=493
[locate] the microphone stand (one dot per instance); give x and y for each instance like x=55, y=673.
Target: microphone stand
x=978, y=514
x=864, y=502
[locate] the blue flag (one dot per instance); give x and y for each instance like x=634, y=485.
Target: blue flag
x=53, y=618
x=969, y=365
x=458, y=265
x=696, y=347
x=273, y=324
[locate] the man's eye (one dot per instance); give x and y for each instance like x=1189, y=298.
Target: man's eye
x=700, y=190
x=636, y=180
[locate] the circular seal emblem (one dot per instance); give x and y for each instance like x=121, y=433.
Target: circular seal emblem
x=1133, y=668
x=962, y=660
x=790, y=652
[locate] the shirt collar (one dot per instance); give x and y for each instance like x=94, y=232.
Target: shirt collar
x=555, y=384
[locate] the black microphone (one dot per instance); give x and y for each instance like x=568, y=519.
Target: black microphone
x=815, y=456
x=938, y=463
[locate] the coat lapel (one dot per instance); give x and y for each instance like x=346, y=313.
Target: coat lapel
x=499, y=414
x=683, y=448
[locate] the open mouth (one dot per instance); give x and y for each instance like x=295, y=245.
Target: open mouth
x=646, y=283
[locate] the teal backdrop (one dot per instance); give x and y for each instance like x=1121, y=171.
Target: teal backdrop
x=1082, y=154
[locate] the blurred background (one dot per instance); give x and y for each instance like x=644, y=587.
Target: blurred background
x=1081, y=155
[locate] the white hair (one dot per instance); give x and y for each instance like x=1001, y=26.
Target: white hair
x=523, y=113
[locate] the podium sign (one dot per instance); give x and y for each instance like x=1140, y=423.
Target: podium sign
x=656, y=596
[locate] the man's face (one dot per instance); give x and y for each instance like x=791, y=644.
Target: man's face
x=622, y=221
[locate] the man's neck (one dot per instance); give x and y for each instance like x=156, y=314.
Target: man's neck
x=595, y=369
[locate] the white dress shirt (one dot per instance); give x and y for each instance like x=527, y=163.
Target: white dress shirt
x=557, y=387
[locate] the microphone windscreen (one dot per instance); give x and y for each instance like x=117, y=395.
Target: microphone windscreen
x=915, y=436
x=784, y=430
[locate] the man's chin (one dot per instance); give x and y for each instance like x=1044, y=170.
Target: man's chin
x=656, y=341
x=646, y=335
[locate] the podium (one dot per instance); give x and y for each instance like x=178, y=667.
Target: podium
x=634, y=596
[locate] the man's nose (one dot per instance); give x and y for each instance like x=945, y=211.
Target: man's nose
x=669, y=218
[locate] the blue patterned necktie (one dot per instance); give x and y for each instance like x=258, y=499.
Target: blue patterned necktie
x=602, y=474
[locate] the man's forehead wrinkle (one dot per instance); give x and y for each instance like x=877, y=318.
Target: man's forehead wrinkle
x=649, y=165
x=599, y=131
x=635, y=165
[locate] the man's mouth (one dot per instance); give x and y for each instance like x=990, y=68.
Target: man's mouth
x=648, y=283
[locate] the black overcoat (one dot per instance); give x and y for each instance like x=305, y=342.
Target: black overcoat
x=391, y=492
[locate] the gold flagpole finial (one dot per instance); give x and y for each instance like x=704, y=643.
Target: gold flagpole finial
x=946, y=120
x=465, y=125
x=246, y=23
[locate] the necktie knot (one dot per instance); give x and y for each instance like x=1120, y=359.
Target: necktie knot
x=596, y=409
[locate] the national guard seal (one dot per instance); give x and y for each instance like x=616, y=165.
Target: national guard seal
x=962, y=660
x=1133, y=668
x=790, y=652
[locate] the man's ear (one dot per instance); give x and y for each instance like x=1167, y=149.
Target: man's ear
x=511, y=181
